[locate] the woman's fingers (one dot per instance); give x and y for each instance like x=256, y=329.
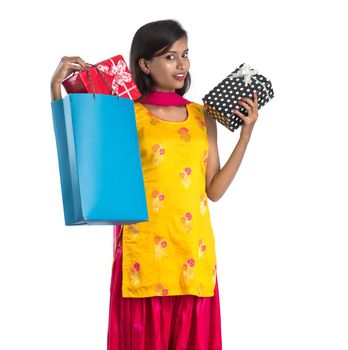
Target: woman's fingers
x=256, y=100
x=80, y=61
x=250, y=119
x=248, y=104
x=67, y=65
x=72, y=64
x=240, y=114
x=245, y=105
x=74, y=61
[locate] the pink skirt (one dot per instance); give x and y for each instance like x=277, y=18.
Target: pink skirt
x=174, y=322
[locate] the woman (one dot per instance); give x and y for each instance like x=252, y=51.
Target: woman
x=164, y=288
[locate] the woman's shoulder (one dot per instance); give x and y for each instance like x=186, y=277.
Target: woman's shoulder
x=137, y=105
x=139, y=108
x=198, y=107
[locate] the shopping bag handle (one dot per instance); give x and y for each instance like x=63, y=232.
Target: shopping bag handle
x=103, y=77
x=89, y=65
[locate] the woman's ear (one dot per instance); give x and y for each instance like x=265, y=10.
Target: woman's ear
x=143, y=66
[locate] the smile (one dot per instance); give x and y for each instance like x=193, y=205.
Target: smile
x=179, y=76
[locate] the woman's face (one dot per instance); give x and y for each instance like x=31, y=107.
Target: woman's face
x=164, y=69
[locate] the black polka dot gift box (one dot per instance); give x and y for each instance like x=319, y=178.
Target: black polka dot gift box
x=220, y=102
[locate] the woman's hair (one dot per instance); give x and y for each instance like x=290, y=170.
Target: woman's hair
x=150, y=40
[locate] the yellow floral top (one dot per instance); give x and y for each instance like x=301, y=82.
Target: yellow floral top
x=173, y=253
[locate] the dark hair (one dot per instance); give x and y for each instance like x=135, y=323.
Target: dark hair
x=147, y=41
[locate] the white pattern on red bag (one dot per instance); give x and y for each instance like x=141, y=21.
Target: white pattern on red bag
x=119, y=74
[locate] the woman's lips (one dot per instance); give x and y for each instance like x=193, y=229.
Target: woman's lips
x=180, y=78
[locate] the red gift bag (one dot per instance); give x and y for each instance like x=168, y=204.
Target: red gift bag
x=111, y=77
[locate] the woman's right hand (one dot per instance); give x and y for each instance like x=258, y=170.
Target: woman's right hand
x=66, y=66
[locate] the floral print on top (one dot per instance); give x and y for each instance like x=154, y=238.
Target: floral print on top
x=173, y=253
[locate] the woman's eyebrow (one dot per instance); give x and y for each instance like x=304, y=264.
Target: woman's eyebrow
x=176, y=51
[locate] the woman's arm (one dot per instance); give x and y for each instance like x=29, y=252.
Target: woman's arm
x=56, y=93
x=218, y=180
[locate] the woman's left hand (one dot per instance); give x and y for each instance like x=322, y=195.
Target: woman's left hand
x=251, y=118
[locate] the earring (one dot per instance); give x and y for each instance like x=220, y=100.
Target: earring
x=147, y=71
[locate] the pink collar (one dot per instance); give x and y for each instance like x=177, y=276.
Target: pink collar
x=162, y=98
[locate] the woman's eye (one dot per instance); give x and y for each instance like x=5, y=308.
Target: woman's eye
x=185, y=55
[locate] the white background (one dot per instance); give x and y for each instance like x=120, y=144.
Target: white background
x=281, y=228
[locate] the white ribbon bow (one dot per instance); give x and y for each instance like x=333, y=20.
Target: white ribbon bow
x=247, y=73
x=244, y=72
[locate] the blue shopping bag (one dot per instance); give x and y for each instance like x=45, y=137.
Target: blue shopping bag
x=99, y=160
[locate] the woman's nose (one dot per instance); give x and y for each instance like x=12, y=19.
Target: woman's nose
x=180, y=64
